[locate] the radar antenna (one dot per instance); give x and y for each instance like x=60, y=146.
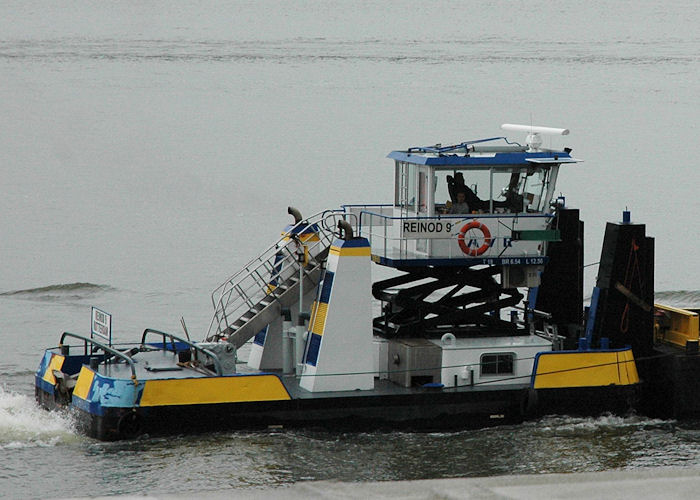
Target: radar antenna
x=534, y=138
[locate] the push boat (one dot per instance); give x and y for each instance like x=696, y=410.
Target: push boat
x=451, y=334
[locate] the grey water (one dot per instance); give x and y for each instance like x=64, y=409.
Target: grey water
x=149, y=149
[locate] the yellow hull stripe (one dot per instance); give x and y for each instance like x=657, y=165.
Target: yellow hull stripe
x=84, y=382
x=320, y=318
x=350, y=251
x=56, y=363
x=236, y=389
x=585, y=369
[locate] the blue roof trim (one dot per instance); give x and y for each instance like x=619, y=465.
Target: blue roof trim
x=496, y=159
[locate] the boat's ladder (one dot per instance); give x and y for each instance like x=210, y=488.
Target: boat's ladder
x=254, y=297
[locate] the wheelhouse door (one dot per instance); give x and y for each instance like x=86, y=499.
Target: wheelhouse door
x=424, y=207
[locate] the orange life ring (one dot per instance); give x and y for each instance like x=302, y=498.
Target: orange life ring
x=474, y=251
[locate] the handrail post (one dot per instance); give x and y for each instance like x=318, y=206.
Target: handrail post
x=105, y=348
x=173, y=337
x=236, y=287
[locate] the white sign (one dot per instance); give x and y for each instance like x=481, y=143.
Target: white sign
x=428, y=228
x=102, y=324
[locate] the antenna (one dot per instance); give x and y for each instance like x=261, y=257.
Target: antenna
x=534, y=139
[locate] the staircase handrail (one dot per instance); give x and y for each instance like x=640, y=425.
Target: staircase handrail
x=223, y=295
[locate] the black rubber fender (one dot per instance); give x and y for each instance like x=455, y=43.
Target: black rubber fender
x=528, y=403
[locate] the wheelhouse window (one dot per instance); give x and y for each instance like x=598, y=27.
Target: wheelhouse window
x=425, y=190
x=495, y=190
x=534, y=184
x=422, y=192
x=498, y=364
x=405, y=195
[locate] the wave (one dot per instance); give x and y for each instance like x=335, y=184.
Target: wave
x=59, y=292
x=11, y=370
x=23, y=424
x=562, y=425
x=490, y=50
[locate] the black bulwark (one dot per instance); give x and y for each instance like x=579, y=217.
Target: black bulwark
x=561, y=289
x=625, y=312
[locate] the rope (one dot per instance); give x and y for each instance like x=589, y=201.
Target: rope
x=632, y=268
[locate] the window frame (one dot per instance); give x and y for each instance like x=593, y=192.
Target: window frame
x=498, y=363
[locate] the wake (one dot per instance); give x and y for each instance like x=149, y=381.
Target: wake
x=23, y=424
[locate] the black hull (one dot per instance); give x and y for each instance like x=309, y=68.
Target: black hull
x=430, y=410
x=424, y=412
x=584, y=401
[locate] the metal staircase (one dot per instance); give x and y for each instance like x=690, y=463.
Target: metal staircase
x=254, y=297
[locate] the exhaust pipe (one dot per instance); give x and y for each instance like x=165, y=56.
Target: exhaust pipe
x=346, y=228
x=294, y=213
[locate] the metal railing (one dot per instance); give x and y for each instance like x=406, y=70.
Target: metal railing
x=100, y=345
x=269, y=274
x=173, y=338
x=431, y=237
